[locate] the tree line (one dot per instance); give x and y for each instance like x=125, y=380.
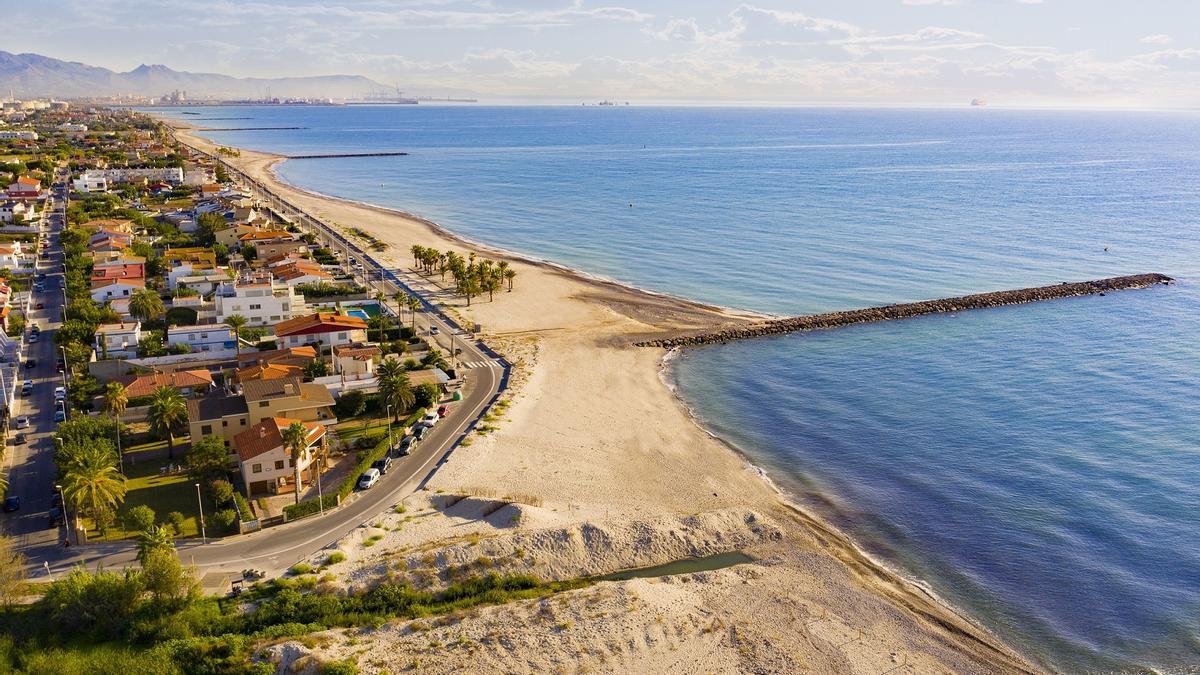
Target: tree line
x=473, y=276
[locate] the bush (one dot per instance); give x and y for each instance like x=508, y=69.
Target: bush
x=221, y=491
x=175, y=520
x=181, y=316
x=140, y=517
x=300, y=568
x=225, y=518
x=335, y=558
x=351, y=404
x=427, y=394
x=346, y=667
x=243, y=506
x=309, y=506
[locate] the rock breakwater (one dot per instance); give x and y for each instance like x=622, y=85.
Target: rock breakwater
x=911, y=309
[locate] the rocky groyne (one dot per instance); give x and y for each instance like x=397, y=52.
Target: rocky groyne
x=911, y=309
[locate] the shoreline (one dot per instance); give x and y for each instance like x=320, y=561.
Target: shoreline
x=654, y=309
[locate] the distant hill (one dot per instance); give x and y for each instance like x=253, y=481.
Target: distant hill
x=32, y=75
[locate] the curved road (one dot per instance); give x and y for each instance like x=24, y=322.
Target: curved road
x=277, y=548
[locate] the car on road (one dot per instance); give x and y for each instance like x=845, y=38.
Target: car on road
x=38, y=288
x=60, y=415
x=19, y=439
x=382, y=464
x=12, y=503
x=22, y=422
x=55, y=517
x=60, y=393
x=443, y=410
x=431, y=418
x=420, y=431
x=40, y=305
x=434, y=330
x=369, y=478
x=27, y=387
x=33, y=337
x=31, y=363
x=406, y=445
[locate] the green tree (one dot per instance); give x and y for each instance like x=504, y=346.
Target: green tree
x=295, y=439
x=237, y=322
x=146, y=305
x=154, y=538
x=394, y=389
x=140, y=517
x=208, y=459
x=12, y=572
x=165, y=578
x=93, y=484
x=426, y=395
x=115, y=399
x=351, y=404
x=167, y=413
x=316, y=368
x=509, y=275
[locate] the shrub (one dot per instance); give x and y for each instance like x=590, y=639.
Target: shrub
x=225, y=518
x=351, y=404
x=175, y=520
x=181, y=316
x=140, y=517
x=300, y=568
x=243, y=506
x=221, y=491
x=426, y=394
x=346, y=667
x=335, y=558
x=309, y=506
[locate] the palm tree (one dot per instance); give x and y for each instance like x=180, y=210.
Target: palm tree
x=166, y=414
x=414, y=303
x=236, y=322
x=146, y=305
x=509, y=275
x=115, y=399
x=155, y=538
x=401, y=299
x=93, y=484
x=394, y=388
x=295, y=439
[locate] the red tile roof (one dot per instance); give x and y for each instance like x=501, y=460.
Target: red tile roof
x=146, y=385
x=319, y=323
x=268, y=435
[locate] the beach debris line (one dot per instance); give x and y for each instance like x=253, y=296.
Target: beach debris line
x=911, y=309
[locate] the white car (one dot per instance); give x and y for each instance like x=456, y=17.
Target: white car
x=60, y=393
x=368, y=480
x=22, y=422
x=431, y=418
x=33, y=337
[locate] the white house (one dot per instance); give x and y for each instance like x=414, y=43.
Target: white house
x=266, y=464
x=197, y=176
x=118, y=340
x=191, y=268
x=118, y=288
x=204, y=283
x=11, y=211
x=88, y=182
x=329, y=330
x=11, y=256
x=263, y=301
x=203, y=338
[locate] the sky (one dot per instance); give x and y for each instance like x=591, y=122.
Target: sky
x=1098, y=53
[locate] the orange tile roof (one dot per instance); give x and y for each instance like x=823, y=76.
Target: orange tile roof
x=26, y=180
x=118, y=271
x=268, y=371
x=319, y=323
x=146, y=385
x=261, y=235
x=140, y=283
x=295, y=271
x=359, y=352
x=287, y=356
x=268, y=435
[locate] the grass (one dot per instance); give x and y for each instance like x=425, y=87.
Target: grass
x=353, y=429
x=161, y=493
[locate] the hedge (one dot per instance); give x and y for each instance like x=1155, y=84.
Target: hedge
x=365, y=459
x=243, y=506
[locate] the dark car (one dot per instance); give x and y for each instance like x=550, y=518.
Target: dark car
x=56, y=499
x=406, y=446
x=19, y=439
x=31, y=363
x=419, y=432
x=55, y=516
x=382, y=464
x=12, y=503
x=40, y=305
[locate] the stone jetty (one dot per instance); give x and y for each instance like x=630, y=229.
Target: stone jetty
x=911, y=309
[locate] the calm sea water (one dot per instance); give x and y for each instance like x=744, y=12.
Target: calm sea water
x=1036, y=466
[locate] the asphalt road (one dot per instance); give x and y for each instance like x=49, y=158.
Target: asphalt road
x=273, y=549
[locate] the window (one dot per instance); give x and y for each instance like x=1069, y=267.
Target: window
x=243, y=421
x=341, y=336
x=206, y=429
x=291, y=463
x=255, y=306
x=257, y=468
x=224, y=423
x=279, y=465
x=263, y=404
x=204, y=336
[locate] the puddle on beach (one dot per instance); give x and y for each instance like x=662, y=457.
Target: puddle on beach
x=684, y=566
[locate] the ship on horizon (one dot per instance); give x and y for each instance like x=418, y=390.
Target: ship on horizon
x=978, y=102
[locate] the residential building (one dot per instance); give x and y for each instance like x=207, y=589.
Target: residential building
x=179, y=256
x=105, y=274
x=266, y=463
x=301, y=272
x=170, y=174
x=116, y=289
x=231, y=235
x=118, y=340
x=355, y=360
x=292, y=356
x=9, y=134
x=25, y=188
x=203, y=338
x=288, y=397
x=110, y=225
x=267, y=249
x=197, y=176
x=268, y=371
x=188, y=382
x=263, y=301
x=329, y=330
x=224, y=416
x=12, y=211
x=123, y=239
x=87, y=183
x=204, y=283
x=12, y=257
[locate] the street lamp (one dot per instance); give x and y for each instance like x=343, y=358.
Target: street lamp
x=66, y=513
x=389, y=416
x=203, y=535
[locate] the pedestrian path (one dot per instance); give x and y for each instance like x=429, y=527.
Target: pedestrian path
x=490, y=363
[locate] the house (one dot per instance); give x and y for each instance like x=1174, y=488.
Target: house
x=197, y=176
x=25, y=188
x=288, y=397
x=268, y=249
x=231, y=236
x=115, y=238
x=266, y=463
x=355, y=359
x=262, y=300
x=121, y=257
x=12, y=211
x=188, y=382
x=243, y=215
x=109, y=225
x=178, y=256
x=224, y=416
x=210, y=190
x=118, y=340
x=301, y=272
x=204, y=283
x=105, y=274
x=203, y=338
x=113, y=290
x=268, y=371
x=292, y=356
x=88, y=182
x=11, y=256
x=330, y=330
x=169, y=174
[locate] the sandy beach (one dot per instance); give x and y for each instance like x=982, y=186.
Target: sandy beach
x=595, y=466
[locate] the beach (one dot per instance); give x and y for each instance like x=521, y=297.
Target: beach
x=612, y=472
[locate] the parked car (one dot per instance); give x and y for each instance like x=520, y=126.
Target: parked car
x=60, y=393
x=60, y=415
x=55, y=517
x=434, y=330
x=406, y=445
x=33, y=337
x=31, y=363
x=382, y=464
x=431, y=418
x=419, y=432
x=40, y=305
x=22, y=422
x=12, y=503
x=369, y=478
x=38, y=288
x=443, y=410
x=19, y=439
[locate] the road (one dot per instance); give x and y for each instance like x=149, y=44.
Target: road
x=277, y=548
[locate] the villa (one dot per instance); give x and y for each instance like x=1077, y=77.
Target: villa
x=329, y=330
x=118, y=340
x=266, y=464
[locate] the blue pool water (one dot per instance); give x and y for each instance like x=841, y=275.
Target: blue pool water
x=358, y=313
x=1037, y=465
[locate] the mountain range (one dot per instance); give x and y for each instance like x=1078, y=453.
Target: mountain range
x=34, y=75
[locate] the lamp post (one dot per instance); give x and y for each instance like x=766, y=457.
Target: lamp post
x=320, y=495
x=66, y=513
x=389, y=415
x=200, y=503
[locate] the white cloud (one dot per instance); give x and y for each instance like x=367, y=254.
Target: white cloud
x=1157, y=39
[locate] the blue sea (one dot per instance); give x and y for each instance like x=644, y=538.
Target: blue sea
x=1036, y=466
